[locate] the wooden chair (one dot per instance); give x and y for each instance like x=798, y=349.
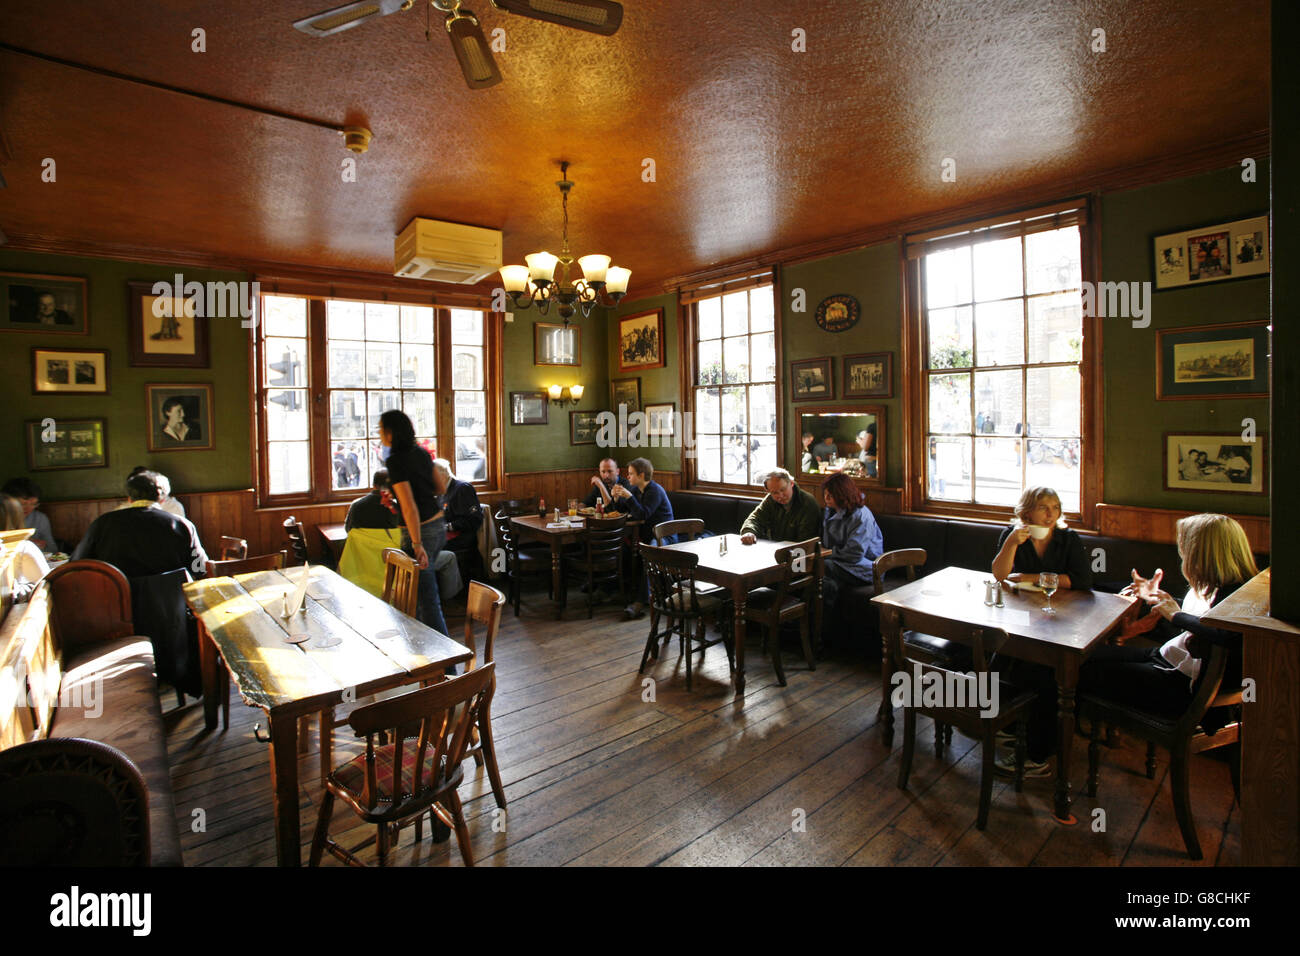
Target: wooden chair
x=393, y=783
x=1181, y=736
x=795, y=597
x=297, y=540
x=686, y=529
x=674, y=598
x=1013, y=704
x=233, y=548
x=483, y=606
x=401, y=581
x=519, y=561
x=601, y=557
x=261, y=562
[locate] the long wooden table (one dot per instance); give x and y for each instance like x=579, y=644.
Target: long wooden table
x=241, y=624
x=741, y=569
x=1062, y=641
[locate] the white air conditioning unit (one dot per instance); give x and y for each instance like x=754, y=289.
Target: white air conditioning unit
x=446, y=252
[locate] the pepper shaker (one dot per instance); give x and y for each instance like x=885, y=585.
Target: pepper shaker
x=998, y=585
x=988, y=593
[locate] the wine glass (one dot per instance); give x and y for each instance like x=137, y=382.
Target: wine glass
x=1048, y=581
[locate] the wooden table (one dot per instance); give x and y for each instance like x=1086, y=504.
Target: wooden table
x=1062, y=641
x=743, y=568
x=335, y=536
x=534, y=528
x=240, y=624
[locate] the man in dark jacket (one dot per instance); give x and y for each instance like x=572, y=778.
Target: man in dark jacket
x=464, y=514
x=788, y=513
x=648, y=503
x=604, y=483
x=140, y=540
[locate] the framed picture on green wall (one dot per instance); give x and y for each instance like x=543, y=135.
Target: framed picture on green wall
x=625, y=391
x=583, y=427
x=641, y=341
x=69, y=371
x=1212, y=361
x=163, y=331
x=1230, y=250
x=180, y=417
x=66, y=443
x=50, y=305
x=1215, y=462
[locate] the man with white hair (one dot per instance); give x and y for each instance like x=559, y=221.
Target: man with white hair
x=463, y=512
x=788, y=513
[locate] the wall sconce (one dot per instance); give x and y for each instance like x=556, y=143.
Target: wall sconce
x=565, y=395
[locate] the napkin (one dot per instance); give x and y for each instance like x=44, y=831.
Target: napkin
x=300, y=594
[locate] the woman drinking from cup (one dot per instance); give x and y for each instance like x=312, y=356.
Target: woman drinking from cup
x=1038, y=540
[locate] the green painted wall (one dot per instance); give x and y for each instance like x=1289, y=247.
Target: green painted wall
x=228, y=465
x=546, y=447
x=871, y=275
x=657, y=384
x=1135, y=421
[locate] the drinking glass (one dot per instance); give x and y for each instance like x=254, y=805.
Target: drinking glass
x=1048, y=582
x=573, y=507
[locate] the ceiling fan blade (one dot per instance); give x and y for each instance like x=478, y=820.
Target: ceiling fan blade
x=348, y=16
x=473, y=54
x=594, y=16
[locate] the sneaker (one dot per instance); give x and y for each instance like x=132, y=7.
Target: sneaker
x=1005, y=765
x=634, y=611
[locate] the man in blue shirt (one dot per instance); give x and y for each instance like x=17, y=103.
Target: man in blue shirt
x=648, y=503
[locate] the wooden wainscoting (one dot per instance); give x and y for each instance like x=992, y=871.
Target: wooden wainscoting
x=1159, y=524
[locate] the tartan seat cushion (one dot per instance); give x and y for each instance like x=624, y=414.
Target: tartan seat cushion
x=352, y=775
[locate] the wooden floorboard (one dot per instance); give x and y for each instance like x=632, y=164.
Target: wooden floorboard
x=604, y=766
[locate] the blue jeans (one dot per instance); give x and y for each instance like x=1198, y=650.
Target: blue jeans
x=433, y=536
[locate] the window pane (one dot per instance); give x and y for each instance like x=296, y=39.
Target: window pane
x=998, y=270
x=735, y=358
x=997, y=403
x=466, y=327
x=950, y=403
x=348, y=414
x=287, y=467
x=422, y=409
x=286, y=414
x=762, y=458
x=417, y=366
x=762, y=409
x=735, y=313
x=997, y=471
x=376, y=404
x=947, y=277
x=467, y=367
x=381, y=322
x=763, y=362
x=710, y=318
x=1056, y=328
x=710, y=364
x=1055, y=463
x=285, y=365
x=761, y=306
x=950, y=338
x=471, y=459
x=1052, y=259
x=708, y=416
x=348, y=461
x=733, y=411
x=284, y=315
x=735, y=459
x=347, y=366
x=382, y=369
x=417, y=324
x=1053, y=398
x=950, y=469
x=345, y=320
x=1000, y=333
x=708, y=458
x=471, y=413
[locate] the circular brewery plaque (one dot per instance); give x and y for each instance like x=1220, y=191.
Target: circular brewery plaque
x=838, y=313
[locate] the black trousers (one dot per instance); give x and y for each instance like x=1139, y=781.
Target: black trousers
x=465, y=546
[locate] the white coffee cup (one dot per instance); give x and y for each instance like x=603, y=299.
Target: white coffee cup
x=1038, y=531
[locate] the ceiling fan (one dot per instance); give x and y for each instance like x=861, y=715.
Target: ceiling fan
x=467, y=40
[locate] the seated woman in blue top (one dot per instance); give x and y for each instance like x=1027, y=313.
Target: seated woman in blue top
x=648, y=503
x=850, y=533
x=1038, y=540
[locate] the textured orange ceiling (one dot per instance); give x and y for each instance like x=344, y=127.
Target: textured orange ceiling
x=756, y=147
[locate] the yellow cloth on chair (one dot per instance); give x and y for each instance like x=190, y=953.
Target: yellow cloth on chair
x=362, y=562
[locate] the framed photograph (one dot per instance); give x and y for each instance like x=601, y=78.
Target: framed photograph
x=64, y=371
x=557, y=344
x=641, y=341
x=528, y=408
x=1231, y=250
x=625, y=391
x=163, y=331
x=583, y=427
x=870, y=375
x=180, y=417
x=813, y=380
x=51, y=305
x=66, y=443
x=659, y=420
x=1216, y=462
x=1212, y=361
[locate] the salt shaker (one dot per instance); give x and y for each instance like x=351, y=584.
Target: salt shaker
x=998, y=585
x=988, y=592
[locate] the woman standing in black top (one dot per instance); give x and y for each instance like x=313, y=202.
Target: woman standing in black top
x=1021, y=555
x=424, y=530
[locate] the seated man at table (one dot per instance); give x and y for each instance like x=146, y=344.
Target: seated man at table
x=648, y=503
x=464, y=517
x=165, y=500
x=604, y=483
x=788, y=513
x=141, y=540
x=28, y=495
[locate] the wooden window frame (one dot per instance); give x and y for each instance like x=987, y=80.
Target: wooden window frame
x=321, y=491
x=915, y=375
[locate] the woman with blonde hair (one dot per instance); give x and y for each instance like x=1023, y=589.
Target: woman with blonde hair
x=1038, y=540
